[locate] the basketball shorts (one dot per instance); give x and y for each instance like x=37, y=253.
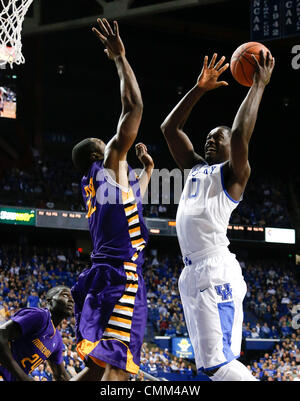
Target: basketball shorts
x=212, y=290
x=111, y=314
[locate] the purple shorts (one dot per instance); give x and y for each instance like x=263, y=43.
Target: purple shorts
x=111, y=314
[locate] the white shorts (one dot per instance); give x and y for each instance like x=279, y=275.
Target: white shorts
x=212, y=290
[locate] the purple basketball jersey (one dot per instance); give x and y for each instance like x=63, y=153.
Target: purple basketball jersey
x=39, y=341
x=115, y=215
x=110, y=297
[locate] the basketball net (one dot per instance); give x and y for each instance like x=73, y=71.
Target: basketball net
x=12, y=13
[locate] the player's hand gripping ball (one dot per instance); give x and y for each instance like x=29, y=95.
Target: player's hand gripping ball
x=242, y=65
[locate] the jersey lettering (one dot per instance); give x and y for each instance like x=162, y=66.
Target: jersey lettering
x=90, y=194
x=194, y=186
x=34, y=361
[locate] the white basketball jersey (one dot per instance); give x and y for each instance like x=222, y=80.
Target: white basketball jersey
x=204, y=211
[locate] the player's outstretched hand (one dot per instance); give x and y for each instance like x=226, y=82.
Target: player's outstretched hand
x=110, y=38
x=265, y=67
x=208, y=78
x=143, y=155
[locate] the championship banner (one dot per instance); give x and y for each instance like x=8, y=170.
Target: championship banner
x=274, y=19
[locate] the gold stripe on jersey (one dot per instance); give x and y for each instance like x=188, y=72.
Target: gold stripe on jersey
x=120, y=321
x=132, y=216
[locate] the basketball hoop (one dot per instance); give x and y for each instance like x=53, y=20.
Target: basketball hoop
x=11, y=20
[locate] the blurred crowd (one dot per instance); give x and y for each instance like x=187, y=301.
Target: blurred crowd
x=273, y=293
x=264, y=204
x=55, y=184
x=282, y=364
x=165, y=312
x=48, y=183
x=27, y=273
x=158, y=363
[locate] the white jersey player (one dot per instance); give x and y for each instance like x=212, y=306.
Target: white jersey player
x=211, y=285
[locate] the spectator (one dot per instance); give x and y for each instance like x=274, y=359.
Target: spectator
x=48, y=373
x=254, y=333
x=152, y=369
x=33, y=300
x=265, y=331
x=39, y=372
x=174, y=365
x=189, y=372
x=78, y=367
x=285, y=329
x=71, y=368
x=182, y=368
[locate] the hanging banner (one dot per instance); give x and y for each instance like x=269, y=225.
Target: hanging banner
x=274, y=19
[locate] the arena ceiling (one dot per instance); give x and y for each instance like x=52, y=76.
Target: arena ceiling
x=170, y=35
x=218, y=19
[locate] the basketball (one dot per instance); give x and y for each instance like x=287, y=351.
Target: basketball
x=242, y=65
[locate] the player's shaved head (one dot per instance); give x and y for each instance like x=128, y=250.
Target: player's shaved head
x=86, y=152
x=55, y=290
x=220, y=128
x=225, y=128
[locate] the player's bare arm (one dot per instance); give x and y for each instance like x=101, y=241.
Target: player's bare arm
x=10, y=331
x=237, y=172
x=131, y=99
x=147, y=162
x=179, y=143
x=59, y=371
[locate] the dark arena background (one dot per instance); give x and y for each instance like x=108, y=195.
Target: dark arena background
x=68, y=90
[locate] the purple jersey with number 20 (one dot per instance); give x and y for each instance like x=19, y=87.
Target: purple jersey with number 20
x=39, y=341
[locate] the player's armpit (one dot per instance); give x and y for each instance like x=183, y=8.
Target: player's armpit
x=235, y=183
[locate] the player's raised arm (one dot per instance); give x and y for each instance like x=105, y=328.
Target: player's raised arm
x=179, y=144
x=132, y=104
x=244, y=123
x=147, y=162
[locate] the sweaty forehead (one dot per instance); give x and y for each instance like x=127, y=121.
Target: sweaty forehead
x=98, y=141
x=63, y=291
x=217, y=131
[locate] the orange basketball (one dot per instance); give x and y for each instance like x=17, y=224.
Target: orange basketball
x=242, y=65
